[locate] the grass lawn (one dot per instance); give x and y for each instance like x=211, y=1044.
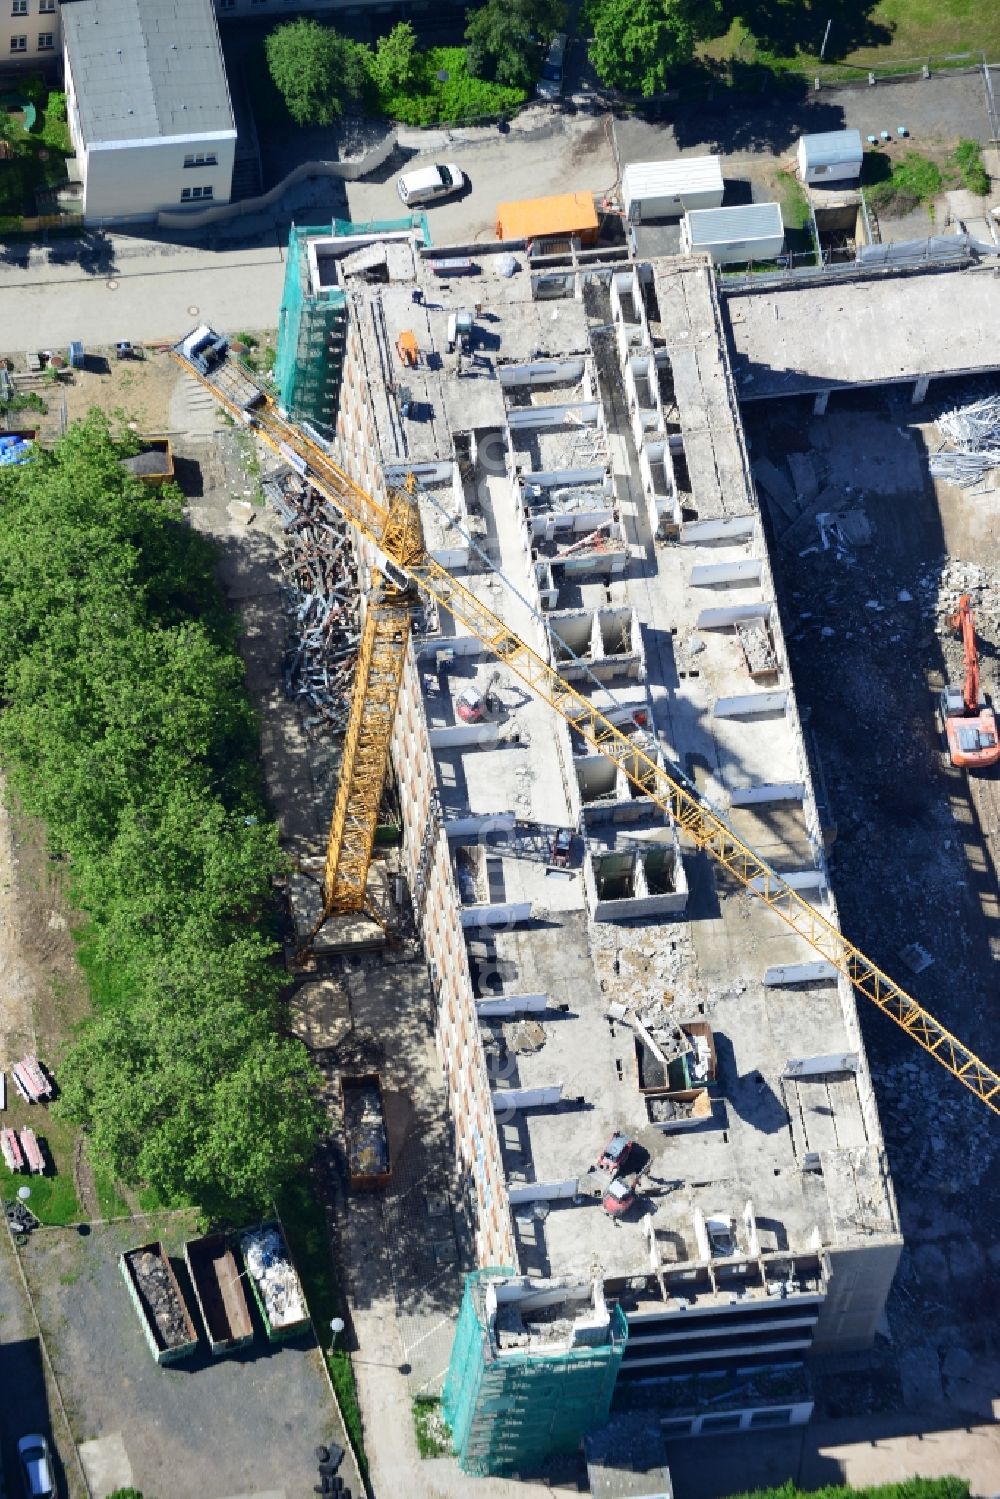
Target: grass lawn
x=787, y=38
x=53, y=1197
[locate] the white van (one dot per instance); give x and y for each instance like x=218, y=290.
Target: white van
x=550, y=79
x=430, y=183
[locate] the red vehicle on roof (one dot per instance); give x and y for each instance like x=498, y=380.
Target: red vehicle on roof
x=616, y=1153
x=618, y=1198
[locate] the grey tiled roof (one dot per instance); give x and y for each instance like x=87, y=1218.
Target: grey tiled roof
x=146, y=68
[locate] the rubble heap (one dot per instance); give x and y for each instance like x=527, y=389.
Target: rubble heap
x=156, y=1288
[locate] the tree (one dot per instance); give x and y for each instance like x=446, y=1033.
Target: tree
x=637, y=44
x=204, y=1102
x=392, y=65
x=503, y=39
x=126, y=727
x=314, y=69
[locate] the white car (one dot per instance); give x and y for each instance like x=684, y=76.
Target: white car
x=427, y=184
x=36, y=1467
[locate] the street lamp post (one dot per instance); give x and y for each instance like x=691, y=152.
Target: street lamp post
x=336, y=1328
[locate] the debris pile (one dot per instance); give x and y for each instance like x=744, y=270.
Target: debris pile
x=153, y=1278
x=974, y=434
x=321, y=587
x=663, y=1109
x=267, y=1261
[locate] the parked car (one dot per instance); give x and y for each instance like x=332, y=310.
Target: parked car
x=428, y=184
x=616, y=1153
x=550, y=79
x=36, y=1467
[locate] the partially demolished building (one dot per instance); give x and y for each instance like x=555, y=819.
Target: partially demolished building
x=571, y=423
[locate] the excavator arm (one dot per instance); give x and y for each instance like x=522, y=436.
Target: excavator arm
x=963, y=620
x=394, y=531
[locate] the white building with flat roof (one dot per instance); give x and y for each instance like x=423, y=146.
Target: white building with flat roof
x=148, y=107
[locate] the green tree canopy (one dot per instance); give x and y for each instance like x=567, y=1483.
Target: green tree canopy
x=505, y=37
x=393, y=63
x=637, y=44
x=126, y=727
x=315, y=69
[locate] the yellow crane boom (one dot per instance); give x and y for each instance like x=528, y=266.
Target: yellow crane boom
x=394, y=530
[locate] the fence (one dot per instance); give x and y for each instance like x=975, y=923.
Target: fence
x=938, y=253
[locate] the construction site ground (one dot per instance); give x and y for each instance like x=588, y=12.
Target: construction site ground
x=914, y=858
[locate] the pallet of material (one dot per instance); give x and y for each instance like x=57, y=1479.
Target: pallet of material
x=10, y=1148
x=275, y=1285
x=166, y=1321
x=30, y=1080
x=33, y=1153
x=218, y=1290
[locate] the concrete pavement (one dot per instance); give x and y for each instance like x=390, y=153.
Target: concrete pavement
x=149, y=292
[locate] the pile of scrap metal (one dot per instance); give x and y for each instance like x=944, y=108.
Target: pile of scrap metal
x=974, y=434
x=320, y=573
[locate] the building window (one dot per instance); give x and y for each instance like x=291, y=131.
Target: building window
x=192, y=194
x=46, y=7
x=46, y=41
x=19, y=7
x=226, y=4
x=202, y=159
x=19, y=44
x=721, y=1423
x=771, y=1418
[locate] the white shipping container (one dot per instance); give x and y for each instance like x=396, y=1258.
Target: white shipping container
x=732, y=236
x=833, y=156
x=667, y=189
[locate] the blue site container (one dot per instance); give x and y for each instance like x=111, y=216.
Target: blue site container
x=76, y=356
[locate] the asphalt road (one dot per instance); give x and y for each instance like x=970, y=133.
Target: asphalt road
x=942, y=108
x=25, y=1404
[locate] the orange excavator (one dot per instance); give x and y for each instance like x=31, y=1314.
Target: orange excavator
x=970, y=724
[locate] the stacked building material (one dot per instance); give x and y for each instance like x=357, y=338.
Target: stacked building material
x=31, y=1081
x=974, y=434
x=320, y=575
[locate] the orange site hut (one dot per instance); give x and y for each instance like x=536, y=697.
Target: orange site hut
x=564, y=213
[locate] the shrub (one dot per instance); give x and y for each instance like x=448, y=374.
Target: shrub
x=969, y=160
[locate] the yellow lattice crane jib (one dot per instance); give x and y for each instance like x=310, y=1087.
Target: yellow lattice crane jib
x=403, y=563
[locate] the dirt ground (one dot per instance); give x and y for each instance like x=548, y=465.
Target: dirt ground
x=140, y=391
x=914, y=859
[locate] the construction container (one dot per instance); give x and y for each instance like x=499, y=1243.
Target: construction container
x=667, y=189
x=732, y=236
x=537, y=218
x=157, y=1298
x=833, y=156
x=77, y=357
x=365, y=1131
x=276, y=1287
x=218, y=1290
x=685, y=1109
x=155, y=464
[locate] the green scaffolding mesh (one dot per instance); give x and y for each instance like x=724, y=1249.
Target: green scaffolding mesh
x=312, y=323
x=508, y=1412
